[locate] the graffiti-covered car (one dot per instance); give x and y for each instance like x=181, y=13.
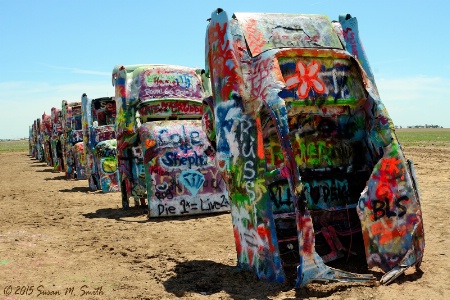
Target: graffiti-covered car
x=32, y=140
x=98, y=124
x=164, y=154
x=39, y=140
x=46, y=131
x=72, y=140
x=56, y=140
x=307, y=149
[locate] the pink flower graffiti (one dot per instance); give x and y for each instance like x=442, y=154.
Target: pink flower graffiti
x=306, y=78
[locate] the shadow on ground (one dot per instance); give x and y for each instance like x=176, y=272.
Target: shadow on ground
x=82, y=189
x=45, y=171
x=119, y=214
x=207, y=277
x=62, y=177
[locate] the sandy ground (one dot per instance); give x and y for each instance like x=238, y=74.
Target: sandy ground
x=58, y=240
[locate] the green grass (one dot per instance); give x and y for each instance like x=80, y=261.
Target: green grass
x=14, y=146
x=430, y=137
x=425, y=137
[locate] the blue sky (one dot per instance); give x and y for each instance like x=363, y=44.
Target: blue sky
x=52, y=50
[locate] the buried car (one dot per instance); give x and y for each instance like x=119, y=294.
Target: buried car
x=164, y=154
x=73, y=146
x=307, y=149
x=98, y=125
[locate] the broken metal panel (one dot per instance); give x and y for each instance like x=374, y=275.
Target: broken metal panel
x=390, y=214
x=272, y=31
x=300, y=133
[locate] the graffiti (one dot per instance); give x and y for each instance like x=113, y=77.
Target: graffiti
x=158, y=170
x=107, y=105
x=290, y=37
x=166, y=138
x=177, y=158
x=100, y=146
x=209, y=205
x=321, y=81
x=323, y=193
x=304, y=143
x=349, y=37
x=281, y=197
x=382, y=208
x=247, y=141
x=306, y=79
x=171, y=108
x=192, y=180
x=160, y=85
x=188, y=207
x=173, y=159
x=257, y=78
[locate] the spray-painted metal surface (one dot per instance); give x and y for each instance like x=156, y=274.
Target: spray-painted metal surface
x=98, y=127
x=180, y=173
x=105, y=153
x=74, y=160
x=56, y=141
x=32, y=140
x=307, y=148
x=164, y=154
x=46, y=139
x=39, y=140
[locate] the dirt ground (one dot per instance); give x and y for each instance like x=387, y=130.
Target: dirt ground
x=58, y=240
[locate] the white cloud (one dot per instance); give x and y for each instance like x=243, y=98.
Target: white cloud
x=78, y=71
x=22, y=102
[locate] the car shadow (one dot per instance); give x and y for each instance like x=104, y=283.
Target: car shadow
x=45, y=170
x=77, y=189
x=119, y=214
x=208, y=277
x=62, y=177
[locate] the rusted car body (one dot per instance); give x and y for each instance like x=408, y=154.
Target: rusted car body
x=307, y=149
x=98, y=125
x=164, y=154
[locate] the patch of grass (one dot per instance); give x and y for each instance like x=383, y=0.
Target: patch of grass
x=14, y=146
x=439, y=137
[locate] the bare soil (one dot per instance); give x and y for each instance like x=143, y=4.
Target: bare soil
x=58, y=240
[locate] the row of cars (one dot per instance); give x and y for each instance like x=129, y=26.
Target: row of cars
x=285, y=128
x=147, y=143
x=71, y=138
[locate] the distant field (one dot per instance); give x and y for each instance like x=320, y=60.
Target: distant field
x=437, y=137
x=14, y=146
x=424, y=136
